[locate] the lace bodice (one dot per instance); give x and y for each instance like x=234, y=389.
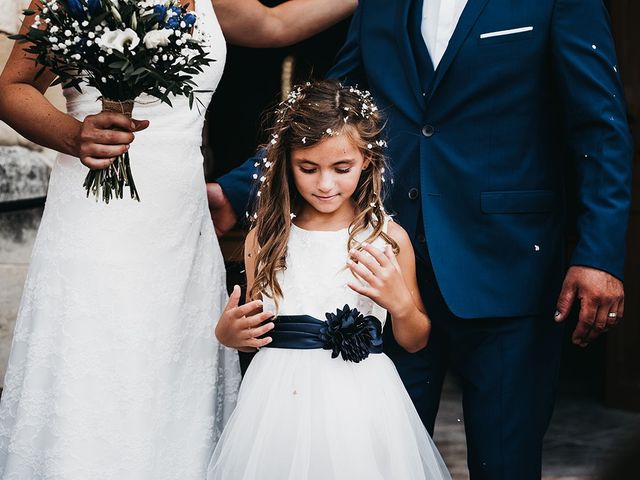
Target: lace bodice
x=315, y=280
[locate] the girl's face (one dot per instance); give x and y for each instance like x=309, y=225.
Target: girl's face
x=327, y=174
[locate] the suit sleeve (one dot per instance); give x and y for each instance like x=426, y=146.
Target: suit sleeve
x=238, y=184
x=348, y=67
x=597, y=130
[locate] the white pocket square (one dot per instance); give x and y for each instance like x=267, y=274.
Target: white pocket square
x=502, y=33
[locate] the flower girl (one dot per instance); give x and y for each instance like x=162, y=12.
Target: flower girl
x=321, y=401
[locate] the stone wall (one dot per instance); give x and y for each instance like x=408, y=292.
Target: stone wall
x=24, y=176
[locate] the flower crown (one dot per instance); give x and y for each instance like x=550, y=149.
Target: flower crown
x=297, y=94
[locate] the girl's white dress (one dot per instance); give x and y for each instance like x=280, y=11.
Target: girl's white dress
x=114, y=371
x=302, y=415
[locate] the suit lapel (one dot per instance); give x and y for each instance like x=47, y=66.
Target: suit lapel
x=469, y=16
x=406, y=52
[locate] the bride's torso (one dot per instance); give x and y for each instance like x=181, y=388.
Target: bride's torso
x=167, y=166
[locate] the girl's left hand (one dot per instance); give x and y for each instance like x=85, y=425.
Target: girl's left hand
x=381, y=277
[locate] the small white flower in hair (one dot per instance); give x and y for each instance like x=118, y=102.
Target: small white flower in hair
x=262, y=179
x=369, y=146
x=255, y=176
x=292, y=215
x=329, y=131
x=304, y=140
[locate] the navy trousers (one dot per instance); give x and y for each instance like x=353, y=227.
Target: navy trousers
x=508, y=368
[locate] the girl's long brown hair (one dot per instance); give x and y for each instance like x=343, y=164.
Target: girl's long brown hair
x=313, y=112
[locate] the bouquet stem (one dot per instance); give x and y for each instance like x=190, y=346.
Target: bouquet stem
x=109, y=182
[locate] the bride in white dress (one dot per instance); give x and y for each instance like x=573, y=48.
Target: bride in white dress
x=114, y=371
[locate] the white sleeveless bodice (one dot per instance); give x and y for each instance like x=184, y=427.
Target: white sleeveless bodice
x=316, y=277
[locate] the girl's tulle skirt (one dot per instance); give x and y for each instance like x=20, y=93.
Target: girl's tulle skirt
x=302, y=415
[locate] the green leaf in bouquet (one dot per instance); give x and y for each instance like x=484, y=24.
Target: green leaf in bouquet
x=27, y=12
x=117, y=64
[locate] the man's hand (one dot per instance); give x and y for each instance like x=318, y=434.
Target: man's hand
x=601, y=297
x=222, y=214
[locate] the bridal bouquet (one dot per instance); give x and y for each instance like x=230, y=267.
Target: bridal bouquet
x=123, y=48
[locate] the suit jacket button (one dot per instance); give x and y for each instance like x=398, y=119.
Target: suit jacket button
x=413, y=193
x=428, y=130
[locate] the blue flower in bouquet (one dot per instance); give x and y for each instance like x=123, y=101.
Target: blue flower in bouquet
x=189, y=19
x=173, y=22
x=160, y=12
x=74, y=7
x=176, y=10
x=95, y=7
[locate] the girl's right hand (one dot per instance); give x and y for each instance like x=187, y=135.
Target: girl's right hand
x=104, y=136
x=240, y=326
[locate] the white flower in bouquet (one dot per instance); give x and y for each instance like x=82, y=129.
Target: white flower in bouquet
x=118, y=40
x=157, y=38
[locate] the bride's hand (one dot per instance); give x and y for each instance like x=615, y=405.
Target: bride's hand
x=240, y=326
x=104, y=136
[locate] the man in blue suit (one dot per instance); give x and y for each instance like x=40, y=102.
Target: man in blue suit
x=490, y=103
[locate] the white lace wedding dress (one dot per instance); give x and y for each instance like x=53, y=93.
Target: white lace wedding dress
x=114, y=370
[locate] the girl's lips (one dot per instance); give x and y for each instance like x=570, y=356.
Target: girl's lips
x=325, y=198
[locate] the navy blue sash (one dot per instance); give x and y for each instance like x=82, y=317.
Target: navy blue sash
x=347, y=333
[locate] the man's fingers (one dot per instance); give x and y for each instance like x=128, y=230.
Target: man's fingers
x=586, y=321
x=234, y=298
x=580, y=333
x=565, y=301
x=621, y=309
x=600, y=324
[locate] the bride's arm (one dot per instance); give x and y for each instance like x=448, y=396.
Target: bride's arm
x=24, y=107
x=249, y=23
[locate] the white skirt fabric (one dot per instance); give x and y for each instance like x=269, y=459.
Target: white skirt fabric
x=303, y=415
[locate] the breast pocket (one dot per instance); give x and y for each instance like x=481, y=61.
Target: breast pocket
x=508, y=35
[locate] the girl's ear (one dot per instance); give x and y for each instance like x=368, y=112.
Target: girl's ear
x=365, y=164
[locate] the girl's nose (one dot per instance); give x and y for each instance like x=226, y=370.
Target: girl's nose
x=325, y=182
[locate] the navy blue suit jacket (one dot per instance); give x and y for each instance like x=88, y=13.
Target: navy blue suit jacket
x=479, y=148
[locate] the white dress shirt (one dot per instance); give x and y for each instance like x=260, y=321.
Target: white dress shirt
x=439, y=20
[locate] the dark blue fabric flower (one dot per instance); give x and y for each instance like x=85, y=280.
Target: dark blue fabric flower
x=352, y=335
x=189, y=19
x=74, y=7
x=95, y=7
